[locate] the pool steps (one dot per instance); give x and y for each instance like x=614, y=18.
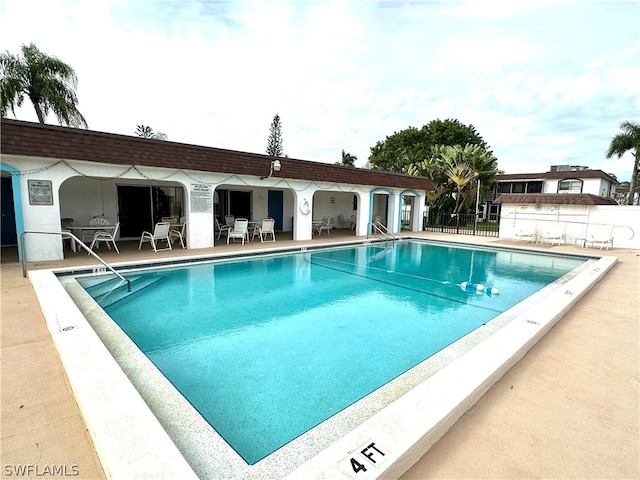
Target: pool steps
x=111, y=291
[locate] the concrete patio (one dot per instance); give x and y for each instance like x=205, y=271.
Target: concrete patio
x=569, y=409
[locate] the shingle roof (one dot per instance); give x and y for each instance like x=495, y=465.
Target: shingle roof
x=554, y=199
x=50, y=141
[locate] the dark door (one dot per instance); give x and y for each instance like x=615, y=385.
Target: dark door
x=134, y=209
x=8, y=225
x=240, y=204
x=275, y=207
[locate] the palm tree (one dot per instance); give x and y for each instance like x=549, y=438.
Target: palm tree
x=146, y=131
x=48, y=82
x=347, y=159
x=458, y=170
x=628, y=140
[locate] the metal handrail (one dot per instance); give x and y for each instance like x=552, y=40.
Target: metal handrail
x=78, y=242
x=384, y=231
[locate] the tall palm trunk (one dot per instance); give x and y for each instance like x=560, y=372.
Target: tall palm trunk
x=633, y=182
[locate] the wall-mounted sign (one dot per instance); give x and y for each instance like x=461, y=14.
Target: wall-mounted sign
x=201, y=198
x=40, y=192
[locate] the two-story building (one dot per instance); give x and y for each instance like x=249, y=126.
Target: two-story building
x=577, y=197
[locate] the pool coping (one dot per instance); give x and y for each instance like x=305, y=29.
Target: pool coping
x=150, y=453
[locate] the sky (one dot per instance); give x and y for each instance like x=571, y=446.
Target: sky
x=543, y=82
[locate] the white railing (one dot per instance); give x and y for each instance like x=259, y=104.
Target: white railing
x=73, y=239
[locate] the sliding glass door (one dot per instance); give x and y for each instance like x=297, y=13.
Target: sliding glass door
x=141, y=207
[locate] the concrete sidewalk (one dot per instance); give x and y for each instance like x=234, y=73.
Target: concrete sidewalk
x=569, y=409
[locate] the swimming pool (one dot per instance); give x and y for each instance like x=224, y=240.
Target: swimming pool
x=150, y=430
x=266, y=349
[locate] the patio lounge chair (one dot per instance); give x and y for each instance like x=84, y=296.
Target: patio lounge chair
x=267, y=228
x=554, y=234
x=178, y=233
x=240, y=230
x=527, y=232
x=600, y=235
x=106, y=237
x=160, y=233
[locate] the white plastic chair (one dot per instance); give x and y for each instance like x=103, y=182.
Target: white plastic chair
x=178, y=234
x=343, y=222
x=222, y=228
x=323, y=226
x=160, y=232
x=527, y=232
x=97, y=222
x=267, y=228
x=66, y=225
x=555, y=234
x=229, y=220
x=105, y=236
x=240, y=230
x=600, y=234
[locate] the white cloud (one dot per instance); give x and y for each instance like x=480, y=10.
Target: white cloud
x=542, y=82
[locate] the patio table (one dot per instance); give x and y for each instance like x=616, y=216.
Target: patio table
x=81, y=228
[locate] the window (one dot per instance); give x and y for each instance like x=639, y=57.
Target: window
x=570, y=185
x=504, y=187
x=534, y=187
x=518, y=187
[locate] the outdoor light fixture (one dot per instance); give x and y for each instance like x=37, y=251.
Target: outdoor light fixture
x=275, y=167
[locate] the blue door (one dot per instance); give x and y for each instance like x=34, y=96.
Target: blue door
x=9, y=235
x=275, y=203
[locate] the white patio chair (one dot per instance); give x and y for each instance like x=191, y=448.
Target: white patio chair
x=240, y=230
x=600, y=235
x=267, y=228
x=343, y=222
x=106, y=237
x=229, y=220
x=554, y=234
x=527, y=232
x=323, y=226
x=222, y=228
x=160, y=233
x=66, y=225
x=178, y=233
x=98, y=222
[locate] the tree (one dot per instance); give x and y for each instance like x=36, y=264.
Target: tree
x=413, y=145
x=145, y=131
x=627, y=140
x=347, y=159
x=456, y=170
x=274, y=143
x=49, y=83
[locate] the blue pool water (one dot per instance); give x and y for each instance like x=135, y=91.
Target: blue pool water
x=267, y=348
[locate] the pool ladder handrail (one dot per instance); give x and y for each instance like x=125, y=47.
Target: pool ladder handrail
x=73, y=239
x=383, y=230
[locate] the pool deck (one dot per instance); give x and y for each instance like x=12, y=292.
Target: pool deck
x=569, y=409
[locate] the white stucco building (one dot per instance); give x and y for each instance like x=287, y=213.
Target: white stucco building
x=51, y=173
